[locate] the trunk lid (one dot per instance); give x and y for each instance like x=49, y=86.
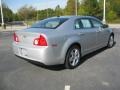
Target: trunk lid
x=27, y=36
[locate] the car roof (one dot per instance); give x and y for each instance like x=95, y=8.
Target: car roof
x=74, y=16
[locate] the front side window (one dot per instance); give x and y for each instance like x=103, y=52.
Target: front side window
x=96, y=23
x=86, y=23
x=51, y=23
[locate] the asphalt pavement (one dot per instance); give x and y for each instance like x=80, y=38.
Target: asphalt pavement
x=100, y=70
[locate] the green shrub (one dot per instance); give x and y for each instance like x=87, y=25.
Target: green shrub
x=111, y=15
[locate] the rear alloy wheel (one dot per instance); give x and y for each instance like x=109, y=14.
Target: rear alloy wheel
x=73, y=57
x=111, y=41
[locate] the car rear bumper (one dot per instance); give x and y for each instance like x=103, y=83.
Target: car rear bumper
x=43, y=55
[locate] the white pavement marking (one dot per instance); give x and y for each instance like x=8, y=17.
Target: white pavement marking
x=105, y=83
x=67, y=87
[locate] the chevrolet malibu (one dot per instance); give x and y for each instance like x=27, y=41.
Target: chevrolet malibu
x=62, y=40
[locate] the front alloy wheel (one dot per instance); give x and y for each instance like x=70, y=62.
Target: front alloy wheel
x=73, y=57
x=111, y=41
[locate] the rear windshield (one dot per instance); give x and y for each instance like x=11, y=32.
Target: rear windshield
x=50, y=23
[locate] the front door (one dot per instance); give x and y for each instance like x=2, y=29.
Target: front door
x=102, y=33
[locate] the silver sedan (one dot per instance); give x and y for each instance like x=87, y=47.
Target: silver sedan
x=62, y=40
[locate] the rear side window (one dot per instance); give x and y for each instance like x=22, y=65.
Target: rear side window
x=50, y=23
x=78, y=24
x=86, y=23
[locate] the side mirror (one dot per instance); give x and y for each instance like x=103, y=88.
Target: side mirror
x=105, y=26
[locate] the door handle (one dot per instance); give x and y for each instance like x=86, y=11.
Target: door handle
x=98, y=31
x=82, y=34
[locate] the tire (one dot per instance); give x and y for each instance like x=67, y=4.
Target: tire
x=110, y=41
x=73, y=56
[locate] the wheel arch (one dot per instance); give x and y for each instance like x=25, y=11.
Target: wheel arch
x=68, y=47
x=112, y=34
x=73, y=44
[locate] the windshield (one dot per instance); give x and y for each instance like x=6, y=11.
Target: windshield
x=50, y=23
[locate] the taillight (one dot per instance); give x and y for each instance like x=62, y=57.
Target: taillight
x=15, y=37
x=41, y=41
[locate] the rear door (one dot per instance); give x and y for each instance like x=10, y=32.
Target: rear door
x=88, y=34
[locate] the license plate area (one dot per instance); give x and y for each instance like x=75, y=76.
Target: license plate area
x=23, y=51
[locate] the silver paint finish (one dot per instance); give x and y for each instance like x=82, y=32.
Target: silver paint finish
x=59, y=40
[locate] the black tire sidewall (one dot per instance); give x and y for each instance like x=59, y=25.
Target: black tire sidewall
x=67, y=63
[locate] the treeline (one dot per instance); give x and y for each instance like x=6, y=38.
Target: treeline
x=85, y=7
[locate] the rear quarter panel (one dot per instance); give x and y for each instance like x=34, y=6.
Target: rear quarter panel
x=61, y=40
